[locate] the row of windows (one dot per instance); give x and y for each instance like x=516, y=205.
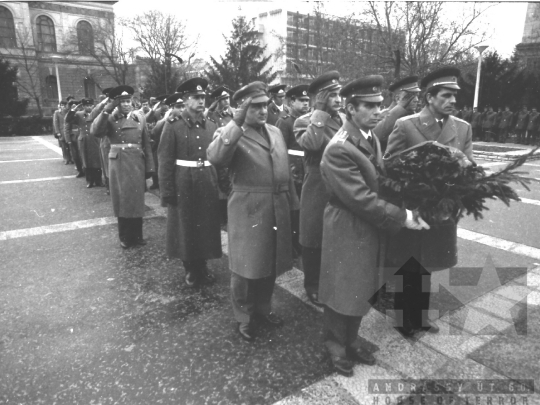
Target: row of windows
x=51, y=87
x=46, y=35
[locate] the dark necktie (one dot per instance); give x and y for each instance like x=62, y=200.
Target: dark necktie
x=440, y=123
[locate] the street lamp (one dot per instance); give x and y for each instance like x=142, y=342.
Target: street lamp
x=54, y=58
x=480, y=49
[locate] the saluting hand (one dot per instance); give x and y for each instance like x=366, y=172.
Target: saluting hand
x=105, y=101
x=241, y=112
x=409, y=101
x=77, y=107
x=112, y=105
x=213, y=106
x=156, y=106
x=321, y=100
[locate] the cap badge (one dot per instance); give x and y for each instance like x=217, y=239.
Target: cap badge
x=281, y=91
x=454, y=79
x=304, y=93
x=334, y=81
x=375, y=89
x=124, y=93
x=224, y=93
x=199, y=88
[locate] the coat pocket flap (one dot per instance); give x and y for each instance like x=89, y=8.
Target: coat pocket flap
x=113, y=155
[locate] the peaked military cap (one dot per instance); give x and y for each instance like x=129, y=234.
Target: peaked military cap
x=368, y=88
x=445, y=77
x=107, y=91
x=277, y=89
x=194, y=86
x=300, y=91
x=63, y=102
x=255, y=90
x=221, y=92
x=326, y=81
x=70, y=98
x=121, y=92
x=409, y=83
x=175, y=98
x=87, y=101
x=161, y=98
x=72, y=101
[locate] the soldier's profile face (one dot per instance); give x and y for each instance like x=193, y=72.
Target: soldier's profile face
x=278, y=99
x=443, y=103
x=301, y=105
x=195, y=103
x=257, y=114
x=224, y=103
x=366, y=115
x=334, y=101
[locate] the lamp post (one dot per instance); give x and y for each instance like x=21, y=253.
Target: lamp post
x=54, y=58
x=480, y=49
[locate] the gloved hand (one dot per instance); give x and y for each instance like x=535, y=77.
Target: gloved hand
x=409, y=101
x=169, y=200
x=76, y=107
x=109, y=108
x=156, y=106
x=414, y=221
x=241, y=112
x=321, y=100
x=213, y=106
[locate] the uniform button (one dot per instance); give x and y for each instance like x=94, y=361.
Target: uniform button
x=226, y=140
x=318, y=123
x=200, y=147
x=197, y=125
x=197, y=137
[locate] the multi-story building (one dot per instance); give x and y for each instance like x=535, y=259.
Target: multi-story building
x=303, y=46
x=52, y=44
x=528, y=50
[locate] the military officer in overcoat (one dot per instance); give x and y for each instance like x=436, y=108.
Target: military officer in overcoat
x=276, y=106
x=532, y=127
x=71, y=139
x=188, y=185
x=58, y=127
x=436, y=248
x=299, y=105
x=521, y=124
x=90, y=151
x=157, y=113
x=313, y=131
x=355, y=222
x=130, y=163
x=476, y=125
x=489, y=124
x=404, y=101
x=222, y=113
x=504, y=124
x=259, y=206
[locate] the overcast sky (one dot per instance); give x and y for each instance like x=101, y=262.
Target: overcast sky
x=211, y=18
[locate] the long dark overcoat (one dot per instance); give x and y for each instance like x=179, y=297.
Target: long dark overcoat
x=89, y=144
x=355, y=220
x=260, y=202
x=313, y=131
x=130, y=158
x=522, y=120
x=435, y=248
x=193, y=225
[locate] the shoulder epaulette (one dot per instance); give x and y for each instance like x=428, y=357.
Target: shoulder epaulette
x=461, y=120
x=408, y=117
x=340, y=136
x=173, y=119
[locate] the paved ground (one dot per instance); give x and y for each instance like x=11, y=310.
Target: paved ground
x=83, y=321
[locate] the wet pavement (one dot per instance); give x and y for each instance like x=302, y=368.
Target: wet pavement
x=83, y=321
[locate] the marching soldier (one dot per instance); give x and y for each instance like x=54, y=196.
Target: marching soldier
x=276, y=108
x=259, y=206
x=188, y=185
x=354, y=221
x=404, y=101
x=130, y=163
x=436, y=248
x=70, y=136
x=157, y=113
x=504, y=124
x=90, y=151
x=313, y=131
x=58, y=126
x=476, y=125
x=299, y=106
x=532, y=127
x=521, y=124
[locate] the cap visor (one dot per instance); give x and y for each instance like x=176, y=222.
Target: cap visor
x=260, y=99
x=451, y=86
x=372, y=99
x=415, y=90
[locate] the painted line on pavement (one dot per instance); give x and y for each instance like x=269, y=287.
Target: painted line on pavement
x=529, y=201
x=498, y=243
x=34, y=180
x=27, y=160
x=25, y=149
x=54, y=148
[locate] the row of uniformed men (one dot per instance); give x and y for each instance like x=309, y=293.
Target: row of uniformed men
x=343, y=220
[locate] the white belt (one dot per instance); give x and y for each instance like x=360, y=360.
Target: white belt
x=295, y=152
x=193, y=163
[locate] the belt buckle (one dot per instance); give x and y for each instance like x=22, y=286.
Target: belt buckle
x=200, y=163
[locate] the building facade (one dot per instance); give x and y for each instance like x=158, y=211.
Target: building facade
x=528, y=50
x=52, y=44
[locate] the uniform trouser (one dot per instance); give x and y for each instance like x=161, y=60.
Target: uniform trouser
x=130, y=229
x=65, y=150
x=487, y=135
x=76, y=156
x=476, y=134
x=341, y=330
x=251, y=296
x=311, y=263
x=520, y=134
x=194, y=266
x=93, y=175
x=532, y=137
x=503, y=134
x=295, y=229
x=414, y=299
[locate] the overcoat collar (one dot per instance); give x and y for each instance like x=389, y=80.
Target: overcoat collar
x=372, y=153
x=191, y=122
x=88, y=117
x=252, y=133
x=429, y=128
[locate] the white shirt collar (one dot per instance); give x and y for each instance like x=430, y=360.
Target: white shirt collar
x=280, y=107
x=366, y=135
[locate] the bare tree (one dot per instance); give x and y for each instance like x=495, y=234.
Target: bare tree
x=24, y=55
x=161, y=37
x=416, y=36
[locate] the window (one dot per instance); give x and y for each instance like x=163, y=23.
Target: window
x=7, y=29
x=85, y=36
x=51, y=88
x=89, y=88
x=46, y=35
